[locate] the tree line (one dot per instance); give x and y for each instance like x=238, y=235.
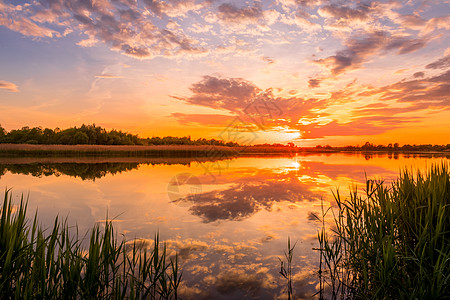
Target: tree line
x=94, y=135
x=390, y=147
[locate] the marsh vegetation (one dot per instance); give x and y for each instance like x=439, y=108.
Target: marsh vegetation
x=38, y=263
x=389, y=241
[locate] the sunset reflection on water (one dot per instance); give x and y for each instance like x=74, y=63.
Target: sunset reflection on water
x=229, y=230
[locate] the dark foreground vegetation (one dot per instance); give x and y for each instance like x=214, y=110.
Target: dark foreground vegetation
x=390, y=242
x=52, y=264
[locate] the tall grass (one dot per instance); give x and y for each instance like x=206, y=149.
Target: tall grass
x=286, y=268
x=35, y=264
x=157, y=151
x=392, y=242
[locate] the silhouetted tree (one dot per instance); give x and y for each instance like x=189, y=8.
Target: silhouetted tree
x=2, y=134
x=80, y=138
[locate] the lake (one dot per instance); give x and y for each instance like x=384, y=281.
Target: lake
x=228, y=220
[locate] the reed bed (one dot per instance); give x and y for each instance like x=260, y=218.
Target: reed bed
x=390, y=242
x=210, y=151
x=40, y=264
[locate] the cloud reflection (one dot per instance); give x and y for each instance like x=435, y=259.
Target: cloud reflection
x=248, y=195
x=255, y=190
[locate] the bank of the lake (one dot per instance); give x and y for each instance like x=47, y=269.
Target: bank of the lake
x=210, y=152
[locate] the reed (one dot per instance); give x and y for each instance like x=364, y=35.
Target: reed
x=286, y=268
x=156, y=151
x=36, y=265
x=391, y=242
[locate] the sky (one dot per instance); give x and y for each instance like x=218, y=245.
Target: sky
x=308, y=72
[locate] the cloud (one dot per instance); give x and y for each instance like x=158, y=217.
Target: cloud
x=412, y=21
x=442, y=63
x=420, y=93
x=253, y=109
x=389, y=103
x=359, y=48
x=238, y=95
x=314, y=82
x=360, y=126
x=188, y=248
x=108, y=76
x=123, y=25
x=222, y=93
x=9, y=86
x=174, y=8
x=269, y=60
x=305, y=283
x=250, y=191
x=249, y=195
x=12, y=17
x=356, y=15
x=354, y=54
x=309, y=116
x=302, y=3
x=230, y=13
x=405, y=45
x=250, y=283
x=345, y=13
x=432, y=91
x=437, y=23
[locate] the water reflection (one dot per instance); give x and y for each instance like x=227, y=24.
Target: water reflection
x=230, y=234
x=248, y=194
x=250, y=190
x=84, y=168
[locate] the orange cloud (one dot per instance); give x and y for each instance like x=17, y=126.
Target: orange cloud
x=9, y=86
x=359, y=126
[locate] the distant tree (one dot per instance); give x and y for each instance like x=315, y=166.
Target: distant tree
x=65, y=140
x=367, y=146
x=35, y=134
x=407, y=147
x=2, y=134
x=80, y=138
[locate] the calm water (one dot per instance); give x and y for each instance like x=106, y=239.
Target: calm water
x=228, y=220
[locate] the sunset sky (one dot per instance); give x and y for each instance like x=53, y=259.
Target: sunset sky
x=304, y=71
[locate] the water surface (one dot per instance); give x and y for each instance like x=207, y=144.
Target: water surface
x=228, y=220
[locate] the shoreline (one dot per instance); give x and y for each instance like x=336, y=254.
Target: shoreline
x=157, y=151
